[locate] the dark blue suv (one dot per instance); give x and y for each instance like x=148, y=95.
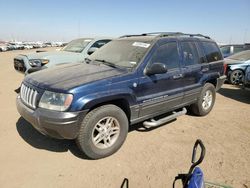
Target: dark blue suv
x=132, y=79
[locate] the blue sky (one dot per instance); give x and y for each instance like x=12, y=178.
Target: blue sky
x=62, y=20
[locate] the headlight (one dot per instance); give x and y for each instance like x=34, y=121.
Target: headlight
x=55, y=101
x=38, y=62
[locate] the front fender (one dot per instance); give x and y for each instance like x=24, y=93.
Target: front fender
x=91, y=100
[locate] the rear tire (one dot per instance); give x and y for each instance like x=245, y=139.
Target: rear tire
x=103, y=131
x=205, y=101
x=236, y=77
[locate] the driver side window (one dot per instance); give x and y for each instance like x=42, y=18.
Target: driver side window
x=167, y=54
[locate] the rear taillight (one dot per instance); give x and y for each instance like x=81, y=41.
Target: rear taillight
x=225, y=69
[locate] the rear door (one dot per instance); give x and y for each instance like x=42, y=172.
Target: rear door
x=202, y=61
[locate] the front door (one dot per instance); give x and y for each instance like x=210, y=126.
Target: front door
x=162, y=92
x=192, y=70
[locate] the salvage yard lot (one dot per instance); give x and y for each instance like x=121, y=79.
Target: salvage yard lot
x=149, y=158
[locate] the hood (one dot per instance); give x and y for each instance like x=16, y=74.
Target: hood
x=47, y=55
x=229, y=61
x=67, y=76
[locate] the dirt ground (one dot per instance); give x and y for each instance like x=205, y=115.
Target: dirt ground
x=148, y=158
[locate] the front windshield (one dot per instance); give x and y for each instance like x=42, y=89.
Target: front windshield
x=121, y=53
x=242, y=56
x=77, y=46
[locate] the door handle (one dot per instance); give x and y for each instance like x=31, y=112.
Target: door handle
x=178, y=76
x=204, y=69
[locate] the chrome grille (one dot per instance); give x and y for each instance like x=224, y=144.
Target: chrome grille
x=28, y=96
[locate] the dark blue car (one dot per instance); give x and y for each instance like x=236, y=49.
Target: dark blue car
x=131, y=79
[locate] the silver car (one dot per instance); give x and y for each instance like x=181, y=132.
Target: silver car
x=75, y=51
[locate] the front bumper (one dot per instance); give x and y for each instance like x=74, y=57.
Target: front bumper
x=60, y=125
x=220, y=82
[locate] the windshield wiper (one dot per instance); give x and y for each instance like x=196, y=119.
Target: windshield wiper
x=106, y=63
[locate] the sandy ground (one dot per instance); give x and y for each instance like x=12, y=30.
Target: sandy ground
x=149, y=158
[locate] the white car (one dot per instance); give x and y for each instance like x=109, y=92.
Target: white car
x=3, y=48
x=75, y=51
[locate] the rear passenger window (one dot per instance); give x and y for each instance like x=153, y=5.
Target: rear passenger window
x=167, y=54
x=190, y=53
x=212, y=52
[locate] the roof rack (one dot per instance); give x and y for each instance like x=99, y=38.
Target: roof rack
x=167, y=34
x=123, y=36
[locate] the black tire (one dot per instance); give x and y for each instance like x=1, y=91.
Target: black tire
x=198, y=108
x=236, y=77
x=85, y=139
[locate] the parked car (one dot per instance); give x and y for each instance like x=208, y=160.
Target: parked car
x=235, y=66
x=3, y=47
x=10, y=47
x=247, y=78
x=17, y=45
x=77, y=50
x=28, y=47
x=231, y=49
x=131, y=79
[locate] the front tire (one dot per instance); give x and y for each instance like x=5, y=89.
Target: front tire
x=205, y=101
x=103, y=131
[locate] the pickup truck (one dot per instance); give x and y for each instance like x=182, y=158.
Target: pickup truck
x=132, y=79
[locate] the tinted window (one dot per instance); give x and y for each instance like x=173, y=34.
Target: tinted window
x=212, y=52
x=190, y=53
x=100, y=43
x=167, y=54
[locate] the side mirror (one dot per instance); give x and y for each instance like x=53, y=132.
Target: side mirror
x=92, y=50
x=156, y=68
